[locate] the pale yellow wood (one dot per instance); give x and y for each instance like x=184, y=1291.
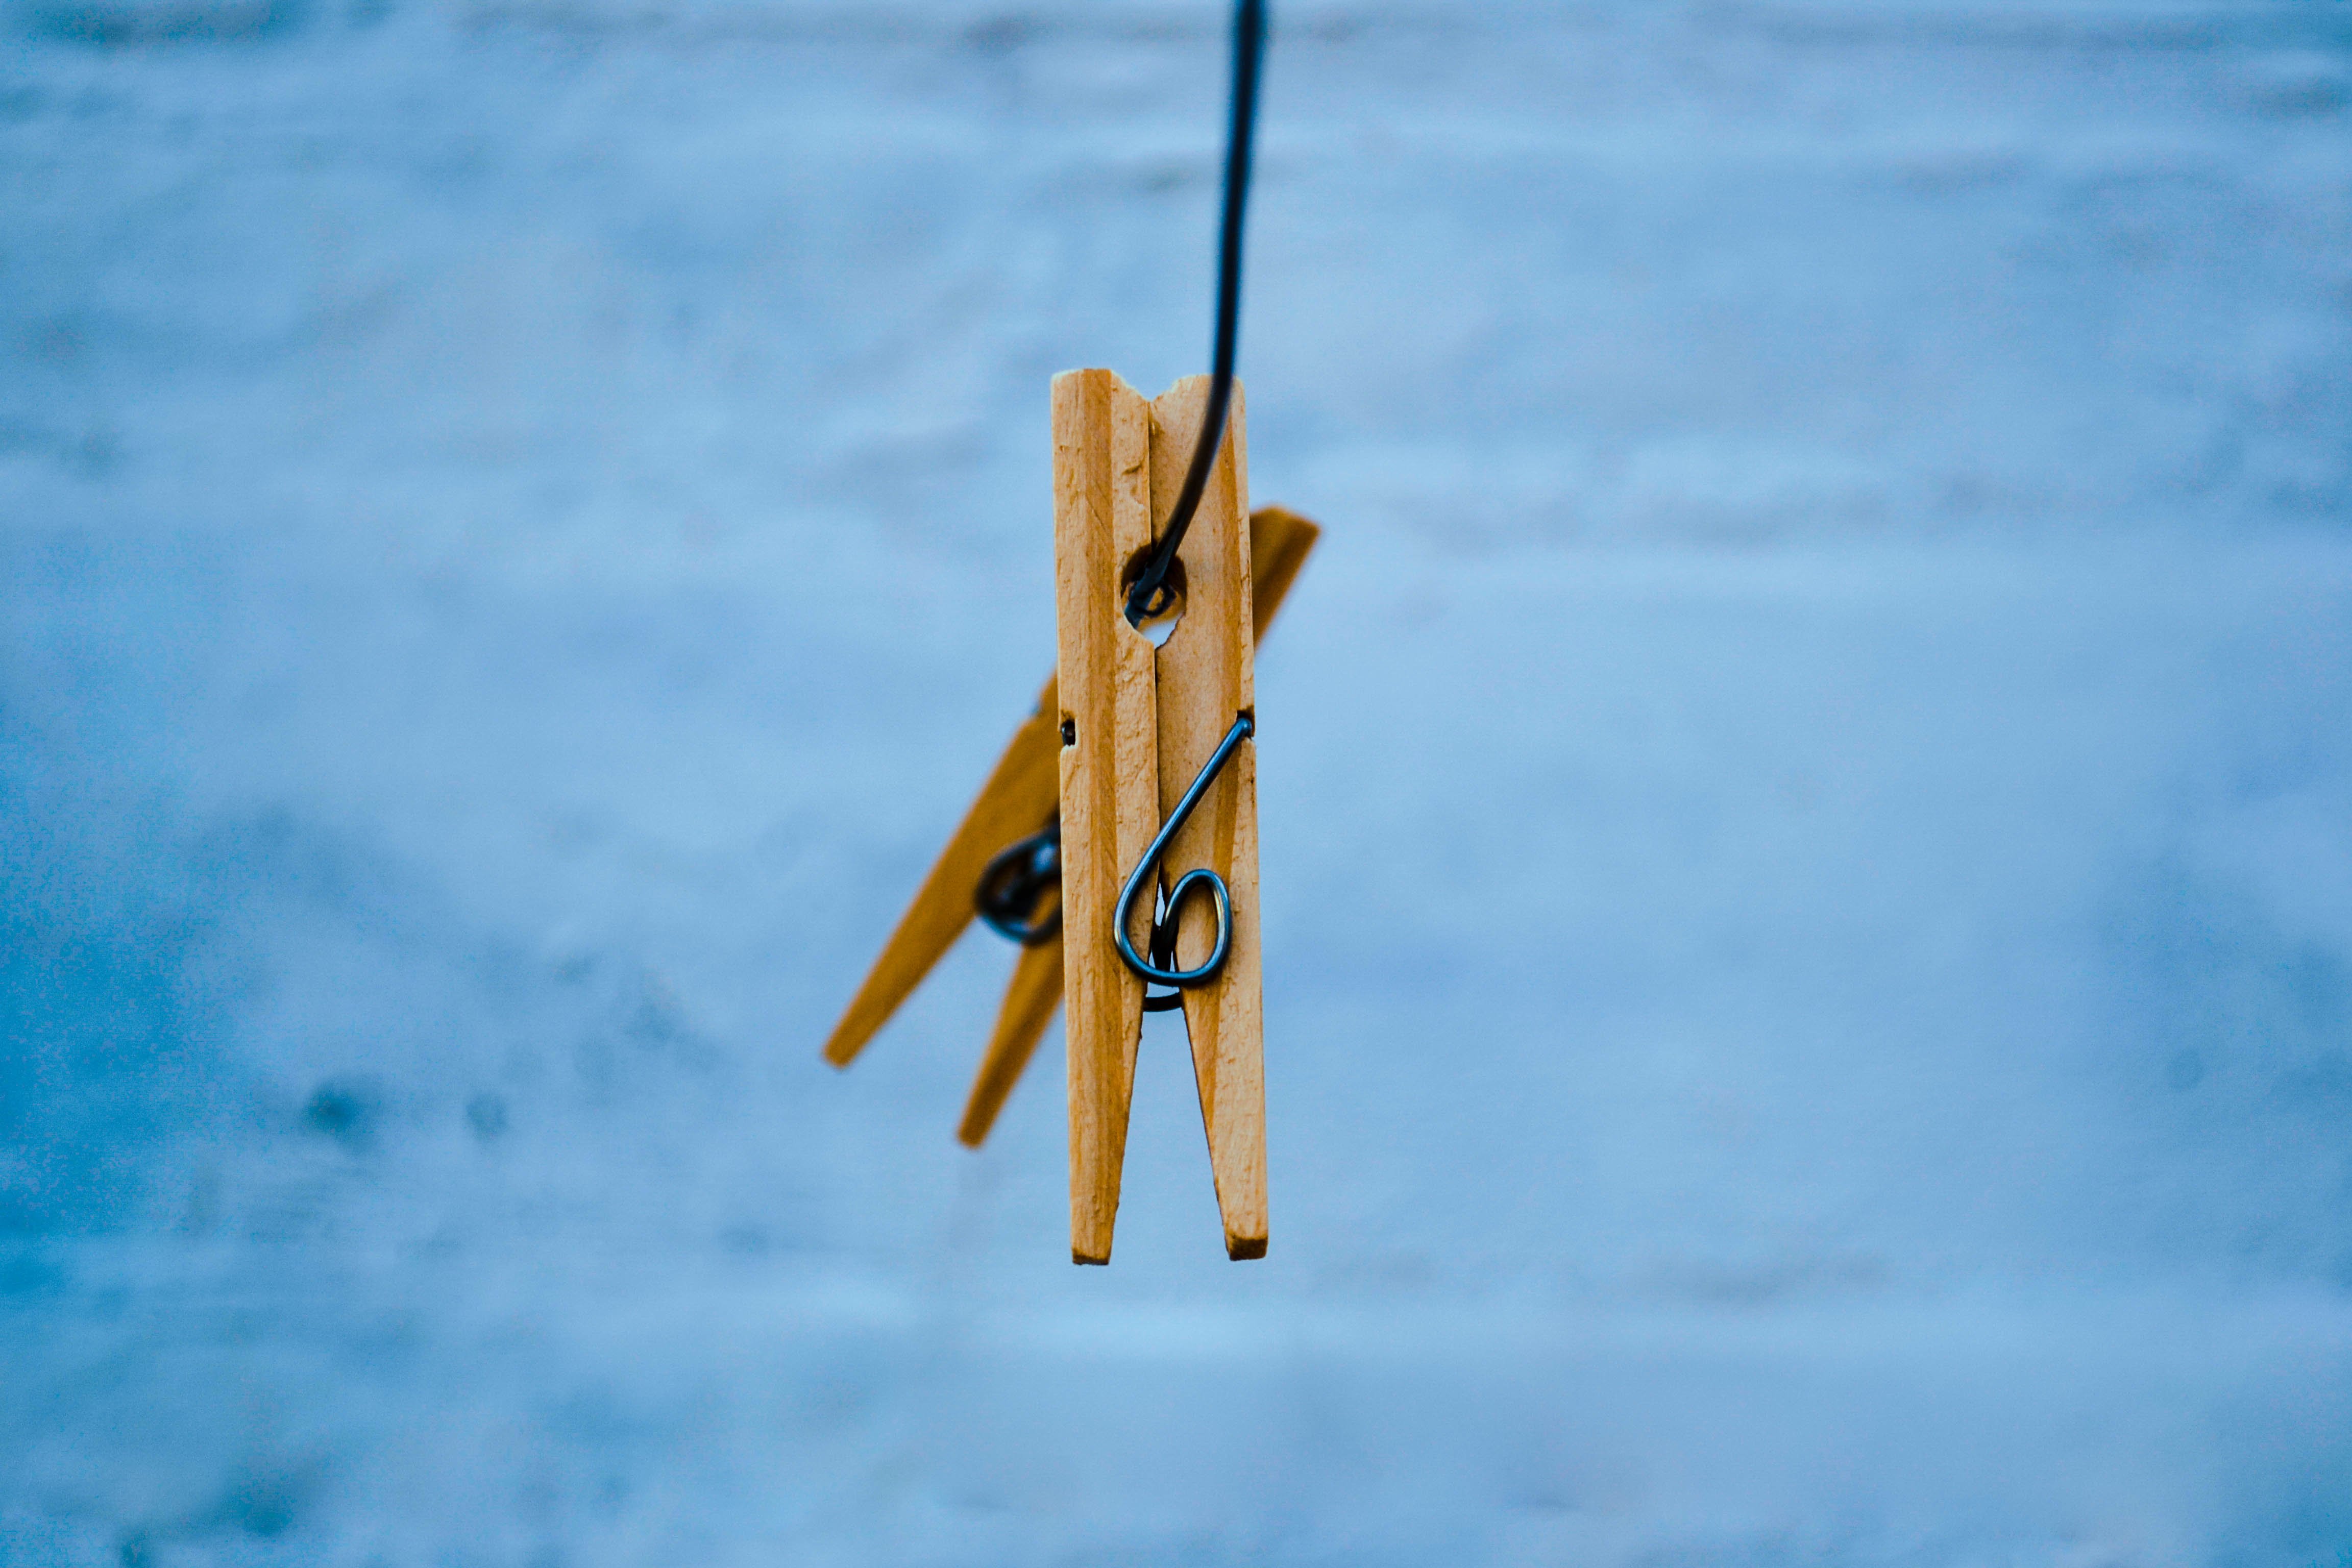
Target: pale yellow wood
x=1280, y=542
x=1029, y=1003
x=1102, y=519
x=1204, y=680
x=1017, y=800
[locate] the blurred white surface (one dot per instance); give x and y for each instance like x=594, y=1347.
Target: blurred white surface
x=1808, y=794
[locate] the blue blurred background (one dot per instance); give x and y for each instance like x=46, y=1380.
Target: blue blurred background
x=1807, y=792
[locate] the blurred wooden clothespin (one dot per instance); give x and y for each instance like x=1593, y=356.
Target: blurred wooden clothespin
x=1118, y=738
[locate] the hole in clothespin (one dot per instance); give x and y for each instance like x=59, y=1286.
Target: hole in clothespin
x=1157, y=629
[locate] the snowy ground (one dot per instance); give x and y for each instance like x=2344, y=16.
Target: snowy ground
x=1808, y=797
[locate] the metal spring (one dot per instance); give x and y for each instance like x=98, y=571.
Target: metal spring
x=1016, y=881
x=1158, y=969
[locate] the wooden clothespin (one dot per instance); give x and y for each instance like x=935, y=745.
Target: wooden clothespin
x=1159, y=771
x=1023, y=791
x=1162, y=587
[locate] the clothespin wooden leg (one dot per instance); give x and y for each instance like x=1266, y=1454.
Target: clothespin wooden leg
x=1017, y=800
x=1029, y=1003
x=1109, y=776
x=1280, y=541
x=1206, y=682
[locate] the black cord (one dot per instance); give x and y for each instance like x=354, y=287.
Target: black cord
x=1149, y=595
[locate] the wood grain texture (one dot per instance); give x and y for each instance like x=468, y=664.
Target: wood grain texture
x=1102, y=518
x=1205, y=680
x=1280, y=542
x=1017, y=800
